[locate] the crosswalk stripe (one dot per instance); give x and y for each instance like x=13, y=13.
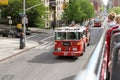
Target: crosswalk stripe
x=45, y=45
x=50, y=45
x=32, y=36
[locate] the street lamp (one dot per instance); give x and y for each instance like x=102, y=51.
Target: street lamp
x=24, y=27
x=24, y=18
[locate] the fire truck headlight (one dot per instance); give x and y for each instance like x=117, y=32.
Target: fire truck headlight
x=58, y=49
x=74, y=49
x=55, y=43
x=78, y=43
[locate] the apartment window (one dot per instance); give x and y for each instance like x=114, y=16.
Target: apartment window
x=58, y=8
x=47, y=16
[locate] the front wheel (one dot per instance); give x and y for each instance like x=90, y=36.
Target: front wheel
x=88, y=42
x=107, y=75
x=84, y=48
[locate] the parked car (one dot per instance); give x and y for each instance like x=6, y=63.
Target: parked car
x=91, y=23
x=28, y=32
x=97, y=23
x=10, y=33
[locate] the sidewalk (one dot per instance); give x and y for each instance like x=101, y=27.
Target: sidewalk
x=9, y=47
x=38, y=30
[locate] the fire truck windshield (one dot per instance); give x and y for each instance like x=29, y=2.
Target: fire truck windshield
x=67, y=35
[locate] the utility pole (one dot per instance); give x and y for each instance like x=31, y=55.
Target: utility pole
x=33, y=6
x=24, y=17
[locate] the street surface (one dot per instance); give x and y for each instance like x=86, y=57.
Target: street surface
x=40, y=64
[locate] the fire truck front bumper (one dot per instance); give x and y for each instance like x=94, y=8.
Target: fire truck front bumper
x=70, y=53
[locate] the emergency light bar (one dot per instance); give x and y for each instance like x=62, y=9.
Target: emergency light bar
x=70, y=29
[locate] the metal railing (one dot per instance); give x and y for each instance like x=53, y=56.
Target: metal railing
x=115, y=74
x=92, y=70
x=115, y=38
x=115, y=61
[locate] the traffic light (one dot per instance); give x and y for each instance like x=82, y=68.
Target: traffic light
x=64, y=5
x=3, y=2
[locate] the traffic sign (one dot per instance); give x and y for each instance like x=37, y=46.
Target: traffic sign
x=3, y=2
x=64, y=5
x=21, y=14
x=10, y=21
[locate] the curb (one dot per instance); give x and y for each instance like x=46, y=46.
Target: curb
x=39, y=32
x=18, y=53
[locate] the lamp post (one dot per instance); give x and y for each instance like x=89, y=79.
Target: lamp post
x=24, y=27
x=24, y=19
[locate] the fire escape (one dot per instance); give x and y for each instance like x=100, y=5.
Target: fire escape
x=52, y=6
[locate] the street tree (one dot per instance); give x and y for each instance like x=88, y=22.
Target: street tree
x=87, y=9
x=35, y=15
x=115, y=9
x=101, y=8
x=78, y=10
x=72, y=12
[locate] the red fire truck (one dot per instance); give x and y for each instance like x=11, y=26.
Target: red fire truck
x=71, y=41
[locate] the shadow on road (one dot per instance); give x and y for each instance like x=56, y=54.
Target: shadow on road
x=49, y=58
x=69, y=78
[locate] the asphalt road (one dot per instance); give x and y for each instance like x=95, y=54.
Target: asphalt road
x=40, y=64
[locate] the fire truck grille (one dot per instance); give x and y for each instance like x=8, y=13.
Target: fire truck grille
x=66, y=44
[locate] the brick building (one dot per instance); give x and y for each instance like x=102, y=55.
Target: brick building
x=97, y=4
x=116, y=3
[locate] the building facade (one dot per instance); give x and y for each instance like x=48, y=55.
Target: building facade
x=97, y=5
x=48, y=18
x=60, y=10
x=56, y=7
x=116, y=3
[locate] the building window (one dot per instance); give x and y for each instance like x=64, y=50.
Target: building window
x=47, y=16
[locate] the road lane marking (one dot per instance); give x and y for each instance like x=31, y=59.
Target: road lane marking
x=50, y=45
x=45, y=45
x=46, y=38
x=42, y=45
x=31, y=36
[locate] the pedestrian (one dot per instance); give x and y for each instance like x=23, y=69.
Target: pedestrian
x=111, y=19
x=72, y=24
x=21, y=39
x=117, y=20
x=53, y=24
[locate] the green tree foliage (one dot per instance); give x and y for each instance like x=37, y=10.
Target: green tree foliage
x=115, y=9
x=15, y=10
x=78, y=10
x=101, y=8
x=87, y=9
x=72, y=12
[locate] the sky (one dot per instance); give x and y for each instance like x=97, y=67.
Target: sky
x=105, y=1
